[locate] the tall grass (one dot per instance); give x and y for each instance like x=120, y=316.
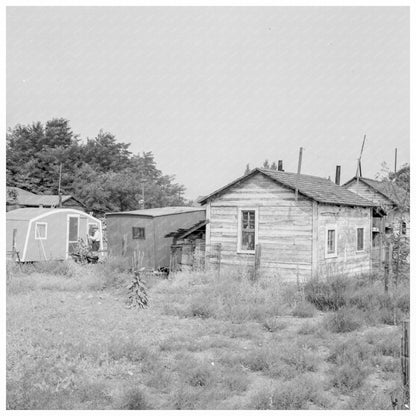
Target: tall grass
x=359, y=299
x=233, y=297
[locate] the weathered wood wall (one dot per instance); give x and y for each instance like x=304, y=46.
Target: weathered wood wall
x=284, y=228
x=346, y=219
x=365, y=191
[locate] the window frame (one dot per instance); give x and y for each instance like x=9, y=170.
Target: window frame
x=335, y=253
x=356, y=240
x=138, y=238
x=46, y=231
x=240, y=229
x=403, y=227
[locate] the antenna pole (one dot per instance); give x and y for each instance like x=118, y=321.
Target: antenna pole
x=395, y=160
x=297, y=176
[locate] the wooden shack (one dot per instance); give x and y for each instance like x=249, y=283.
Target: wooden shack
x=391, y=215
x=325, y=230
x=39, y=234
x=143, y=232
x=20, y=198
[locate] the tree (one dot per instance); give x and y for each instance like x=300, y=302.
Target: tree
x=273, y=166
x=247, y=169
x=101, y=172
x=266, y=164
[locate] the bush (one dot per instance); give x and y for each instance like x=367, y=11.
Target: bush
x=327, y=294
x=348, y=378
x=344, y=320
x=273, y=324
x=299, y=393
x=135, y=399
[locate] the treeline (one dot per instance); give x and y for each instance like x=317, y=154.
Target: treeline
x=100, y=172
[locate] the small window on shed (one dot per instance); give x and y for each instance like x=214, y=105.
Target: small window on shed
x=247, y=230
x=331, y=242
x=40, y=231
x=138, y=233
x=360, y=239
x=404, y=228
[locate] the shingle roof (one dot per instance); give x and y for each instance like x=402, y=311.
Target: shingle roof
x=158, y=212
x=390, y=190
x=31, y=199
x=314, y=187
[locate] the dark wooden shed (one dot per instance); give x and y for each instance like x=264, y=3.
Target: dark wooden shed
x=143, y=232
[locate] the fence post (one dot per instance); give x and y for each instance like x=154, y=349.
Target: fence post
x=219, y=259
x=388, y=266
x=404, y=358
x=257, y=257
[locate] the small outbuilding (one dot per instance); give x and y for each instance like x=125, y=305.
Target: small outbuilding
x=38, y=234
x=20, y=198
x=289, y=225
x=142, y=233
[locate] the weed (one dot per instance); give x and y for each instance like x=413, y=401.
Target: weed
x=273, y=324
x=135, y=399
x=345, y=319
x=304, y=310
x=298, y=393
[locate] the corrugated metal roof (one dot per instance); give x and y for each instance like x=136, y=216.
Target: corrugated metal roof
x=158, y=212
x=29, y=198
x=314, y=187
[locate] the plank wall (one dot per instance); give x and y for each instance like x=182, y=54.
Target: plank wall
x=347, y=220
x=284, y=228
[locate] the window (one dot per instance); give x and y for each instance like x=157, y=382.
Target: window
x=331, y=242
x=404, y=227
x=40, y=231
x=360, y=239
x=138, y=233
x=247, y=230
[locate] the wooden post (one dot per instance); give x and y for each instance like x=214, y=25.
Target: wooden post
x=395, y=160
x=219, y=259
x=387, y=266
x=257, y=258
x=404, y=358
x=297, y=176
x=14, y=243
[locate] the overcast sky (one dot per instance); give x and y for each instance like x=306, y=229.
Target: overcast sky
x=208, y=90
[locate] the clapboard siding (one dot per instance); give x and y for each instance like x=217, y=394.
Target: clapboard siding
x=284, y=227
x=369, y=193
x=346, y=220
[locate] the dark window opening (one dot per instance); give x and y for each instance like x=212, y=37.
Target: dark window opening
x=138, y=233
x=404, y=227
x=248, y=230
x=331, y=242
x=360, y=239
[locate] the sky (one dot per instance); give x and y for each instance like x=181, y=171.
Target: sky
x=210, y=89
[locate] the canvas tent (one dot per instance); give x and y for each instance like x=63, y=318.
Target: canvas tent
x=39, y=234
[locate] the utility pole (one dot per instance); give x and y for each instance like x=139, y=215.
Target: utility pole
x=59, y=186
x=395, y=160
x=359, y=172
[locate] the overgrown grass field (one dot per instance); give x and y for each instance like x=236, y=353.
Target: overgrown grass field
x=205, y=341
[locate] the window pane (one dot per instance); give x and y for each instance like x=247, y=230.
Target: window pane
x=247, y=241
x=73, y=229
x=40, y=230
x=331, y=241
x=248, y=230
x=138, y=233
x=360, y=239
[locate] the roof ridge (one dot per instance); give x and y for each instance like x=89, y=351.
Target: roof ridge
x=295, y=173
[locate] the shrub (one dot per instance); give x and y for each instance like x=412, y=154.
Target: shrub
x=299, y=393
x=353, y=351
x=257, y=360
x=134, y=399
x=303, y=310
x=348, y=378
x=327, y=294
x=345, y=319
x=137, y=297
